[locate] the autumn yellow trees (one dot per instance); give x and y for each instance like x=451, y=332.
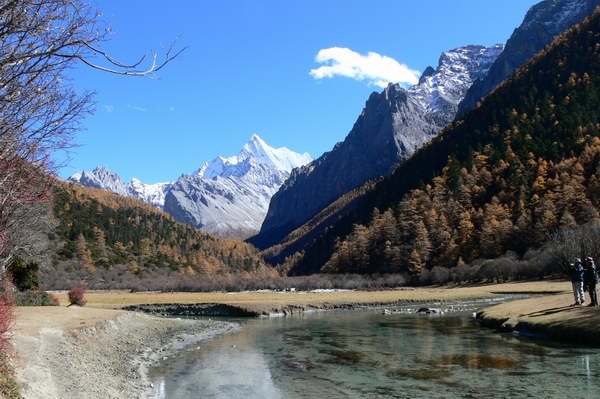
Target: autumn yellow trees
x=522, y=165
x=98, y=229
x=442, y=226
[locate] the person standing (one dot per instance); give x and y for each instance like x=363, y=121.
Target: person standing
x=576, y=270
x=590, y=278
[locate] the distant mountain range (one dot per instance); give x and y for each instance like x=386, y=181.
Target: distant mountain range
x=226, y=196
x=392, y=126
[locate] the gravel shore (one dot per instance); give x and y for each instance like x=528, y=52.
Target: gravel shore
x=97, y=353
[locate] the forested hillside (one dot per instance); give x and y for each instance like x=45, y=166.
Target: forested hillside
x=102, y=235
x=522, y=164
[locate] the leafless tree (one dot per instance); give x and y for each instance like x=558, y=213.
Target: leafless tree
x=40, y=112
x=580, y=242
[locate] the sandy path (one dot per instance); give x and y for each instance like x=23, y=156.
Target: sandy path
x=96, y=353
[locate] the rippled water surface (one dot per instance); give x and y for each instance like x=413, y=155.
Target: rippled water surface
x=370, y=355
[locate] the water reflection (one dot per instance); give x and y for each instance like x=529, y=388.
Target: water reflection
x=231, y=367
x=367, y=355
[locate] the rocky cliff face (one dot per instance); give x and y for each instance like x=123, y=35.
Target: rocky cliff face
x=102, y=178
x=226, y=196
x=393, y=124
x=542, y=23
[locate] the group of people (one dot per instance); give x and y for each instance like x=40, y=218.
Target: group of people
x=584, y=278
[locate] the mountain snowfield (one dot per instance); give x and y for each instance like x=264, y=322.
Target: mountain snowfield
x=227, y=196
x=441, y=90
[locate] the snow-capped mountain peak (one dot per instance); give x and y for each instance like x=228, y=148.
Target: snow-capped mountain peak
x=281, y=158
x=256, y=151
x=554, y=14
x=543, y=22
x=152, y=193
x=227, y=195
x=230, y=195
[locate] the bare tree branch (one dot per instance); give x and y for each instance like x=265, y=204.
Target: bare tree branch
x=40, y=111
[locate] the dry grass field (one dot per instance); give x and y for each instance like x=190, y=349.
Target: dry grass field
x=269, y=301
x=551, y=316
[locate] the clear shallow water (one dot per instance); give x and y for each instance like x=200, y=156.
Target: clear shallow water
x=370, y=355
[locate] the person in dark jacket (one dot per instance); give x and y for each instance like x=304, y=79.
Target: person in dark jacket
x=590, y=278
x=576, y=270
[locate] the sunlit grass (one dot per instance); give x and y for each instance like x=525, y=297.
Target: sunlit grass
x=271, y=301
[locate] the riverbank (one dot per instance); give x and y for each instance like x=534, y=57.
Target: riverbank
x=256, y=303
x=102, y=351
x=547, y=316
x=96, y=353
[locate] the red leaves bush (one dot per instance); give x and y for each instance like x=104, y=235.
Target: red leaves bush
x=76, y=296
x=6, y=322
x=55, y=299
x=6, y=314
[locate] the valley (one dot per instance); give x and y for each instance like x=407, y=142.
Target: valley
x=443, y=247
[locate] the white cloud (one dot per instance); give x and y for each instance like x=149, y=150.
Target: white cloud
x=109, y=108
x=138, y=108
x=172, y=108
x=376, y=69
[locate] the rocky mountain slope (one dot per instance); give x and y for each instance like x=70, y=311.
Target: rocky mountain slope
x=393, y=124
x=542, y=23
x=226, y=196
x=521, y=166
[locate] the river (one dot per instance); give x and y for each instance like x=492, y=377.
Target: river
x=367, y=354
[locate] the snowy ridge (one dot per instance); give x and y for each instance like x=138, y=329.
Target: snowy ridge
x=151, y=193
x=554, y=15
x=228, y=196
x=541, y=24
x=444, y=88
x=105, y=179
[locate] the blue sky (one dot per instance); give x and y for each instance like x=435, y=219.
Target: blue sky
x=248, y=70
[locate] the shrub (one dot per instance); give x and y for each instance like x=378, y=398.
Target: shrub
x=6, y=314
x=55, y=299
x=424, y=278
x=499, y=269
x=36, y=298
x=76, y=296
x=25, y=275
x=9, y=389
x=440, y=275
